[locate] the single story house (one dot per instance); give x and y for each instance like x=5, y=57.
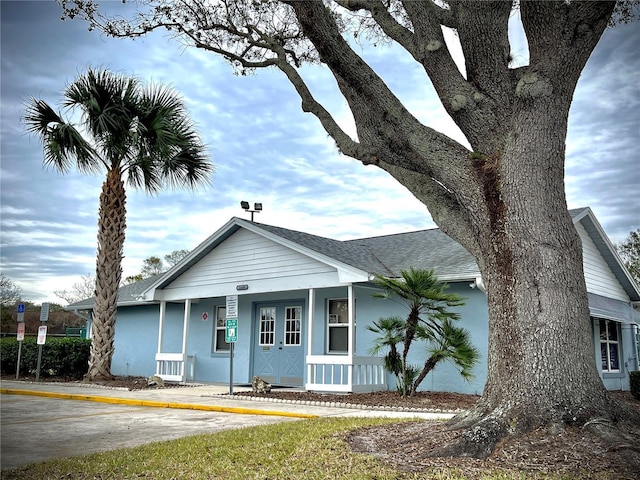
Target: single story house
x=292, y=307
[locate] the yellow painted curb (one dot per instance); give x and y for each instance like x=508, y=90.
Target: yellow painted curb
x=150, y=403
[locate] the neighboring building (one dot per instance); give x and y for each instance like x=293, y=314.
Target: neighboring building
x=302, y=302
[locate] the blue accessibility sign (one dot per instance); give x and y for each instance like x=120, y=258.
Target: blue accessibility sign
x=21, y=308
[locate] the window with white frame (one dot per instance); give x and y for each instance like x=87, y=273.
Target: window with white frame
x=219, y=343
x=292, y=328
x=338, y=326
x=267, y=326
x=609, y=345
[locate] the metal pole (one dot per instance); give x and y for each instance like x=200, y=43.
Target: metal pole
x=19, y=354
x=39, y=361
x=231, y=369
x=39, y=357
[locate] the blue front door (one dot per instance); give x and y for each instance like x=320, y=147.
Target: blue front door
x=279, y=353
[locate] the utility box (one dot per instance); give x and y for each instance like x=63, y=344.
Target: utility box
x=75, y=332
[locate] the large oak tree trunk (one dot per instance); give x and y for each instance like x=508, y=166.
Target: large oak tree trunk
x=111, y=235
x=541, y=363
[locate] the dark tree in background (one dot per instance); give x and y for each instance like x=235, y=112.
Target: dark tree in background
x=629, y=251
x=503, y=199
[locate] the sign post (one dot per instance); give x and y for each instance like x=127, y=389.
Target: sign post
x=231, y=332
x=42, y=335
x=20, y=336
x=231, y=337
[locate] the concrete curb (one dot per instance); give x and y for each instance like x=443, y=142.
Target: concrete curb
x=150, y=403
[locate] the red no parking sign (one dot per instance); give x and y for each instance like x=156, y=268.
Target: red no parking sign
x=42, y=334
x=20, y=335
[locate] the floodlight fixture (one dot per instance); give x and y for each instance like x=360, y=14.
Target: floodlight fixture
x=257, y=207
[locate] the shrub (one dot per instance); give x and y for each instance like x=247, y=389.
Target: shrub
x=634, y=383
x=62, y=357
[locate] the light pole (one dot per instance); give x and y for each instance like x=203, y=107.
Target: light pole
x=257, y=207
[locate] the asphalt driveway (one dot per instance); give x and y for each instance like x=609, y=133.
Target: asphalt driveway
x=35, y=429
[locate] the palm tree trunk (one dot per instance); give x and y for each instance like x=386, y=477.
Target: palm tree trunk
x=429, y=365
x=409, y=334
x=111, y=235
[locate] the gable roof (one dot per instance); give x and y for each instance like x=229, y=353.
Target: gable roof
x=386, y=255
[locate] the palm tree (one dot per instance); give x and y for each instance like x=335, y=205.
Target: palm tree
x=390, y=332
x=450, y=343
x=428, y=319
x=141, y=136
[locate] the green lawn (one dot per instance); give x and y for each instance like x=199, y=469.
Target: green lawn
x=305, y=449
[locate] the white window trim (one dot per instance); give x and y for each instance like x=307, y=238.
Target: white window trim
x=616, y=325
x=299, y=331
x=273, y=331
x=335, y=325
x=216, y=310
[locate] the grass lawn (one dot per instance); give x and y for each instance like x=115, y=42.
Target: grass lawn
x=306, y=449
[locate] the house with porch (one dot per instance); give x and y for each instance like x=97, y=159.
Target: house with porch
x=291, y=308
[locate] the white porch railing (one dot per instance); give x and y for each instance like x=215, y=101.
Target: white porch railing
x=173, y=368
x=341, y=373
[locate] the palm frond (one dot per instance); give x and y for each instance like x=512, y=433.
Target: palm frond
x=62, y=142
x=169, y=152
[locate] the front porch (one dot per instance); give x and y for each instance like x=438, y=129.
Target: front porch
x=325, y=370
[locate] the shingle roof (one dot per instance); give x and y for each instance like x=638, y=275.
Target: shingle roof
x=425, y=249
x=126, y=294
x=389, y=254
x=348, y=252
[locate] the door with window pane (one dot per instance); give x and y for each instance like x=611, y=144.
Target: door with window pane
x=279, y=354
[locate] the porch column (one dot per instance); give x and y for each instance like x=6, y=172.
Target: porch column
x=163, y=312
x=351, y=335
x=351, y=319
x=310, y=309
x=185, y=330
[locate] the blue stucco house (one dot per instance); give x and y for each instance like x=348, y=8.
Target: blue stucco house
x=302, y=302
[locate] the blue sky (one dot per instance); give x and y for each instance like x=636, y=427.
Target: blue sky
x=264, y=147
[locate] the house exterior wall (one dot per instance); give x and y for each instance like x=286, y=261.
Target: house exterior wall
x=598, y=276
x=445, y=377
x=137, y=335
x=136, y=341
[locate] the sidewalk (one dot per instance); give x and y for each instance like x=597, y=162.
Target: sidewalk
x=206, y=397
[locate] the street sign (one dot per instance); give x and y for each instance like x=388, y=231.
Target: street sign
x=231, y=330
x=20, y=335
x=42, y=334
x=44, y=312
x=20, y=312
x=232, y=306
